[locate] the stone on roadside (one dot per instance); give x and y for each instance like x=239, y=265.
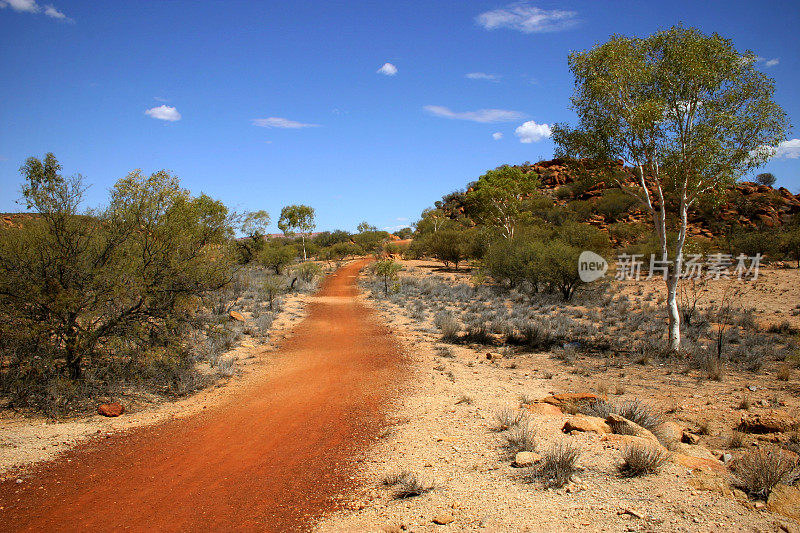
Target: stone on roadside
x=584, y=423
x=110, y=409
x=443, y=519
x=524, y=459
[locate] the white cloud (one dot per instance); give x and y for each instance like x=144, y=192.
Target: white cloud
x=164, y=112
x=26, y=6
x=527, y=19
x=531, y=132
x=497, y=136
x=30, y=6
x=485, y=116
x=52, y=12
x=387, y=69
x=278, y=122
x=767, y=62
x=788, y=149
x=483, y=76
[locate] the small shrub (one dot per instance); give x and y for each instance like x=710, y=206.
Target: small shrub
x=558, y=465
x=639, y=460
x=759, y=471
x=745, y=403
x=508, y=418
x=407, y=485
x=641, y=413
x=784, y=373
x=736, y=440
x=521, y=438
x=464, y=399
x=449, y=327
x=226, y=366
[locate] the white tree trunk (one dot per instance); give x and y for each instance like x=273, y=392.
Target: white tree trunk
x=303, y=237
x=673, y=313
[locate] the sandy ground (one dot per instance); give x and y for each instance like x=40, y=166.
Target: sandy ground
x=444, y=431
x=27, y=439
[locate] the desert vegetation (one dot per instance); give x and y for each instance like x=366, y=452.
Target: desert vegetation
x=147, y=293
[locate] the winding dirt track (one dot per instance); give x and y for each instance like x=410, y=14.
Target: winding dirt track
x=270, y=459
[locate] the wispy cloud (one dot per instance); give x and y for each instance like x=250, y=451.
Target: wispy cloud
x=387, y=69
x=284, y=123
x=30, y=6
x=486, y=116
x=767, y=62
x=497, y=136
x=160, y=99
x=483, y=76
x=531, y=132
x=787, y=149
x=164, y=112
x=3, y=158
x=527, y=19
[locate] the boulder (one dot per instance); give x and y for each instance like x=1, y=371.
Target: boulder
x=694, y=450
x=443, y=519
x=237, y=316
x=699, y=463
x=703, y=480
x=616, y=441
x=624, y=426
x=585, y=423
x=544, y=409
x=110, y=409
x=772, y=421
x=689, y=438
x=670, y=431
x=571, y=397
x=524, y=459
x=785, y=499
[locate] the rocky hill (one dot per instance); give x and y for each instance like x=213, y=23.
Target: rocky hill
x=579, y=186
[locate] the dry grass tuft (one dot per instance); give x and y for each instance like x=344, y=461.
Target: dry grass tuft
x=558, y=465
x=407, y=485
x=639, y=460
x=759, y=471
x=507, y=418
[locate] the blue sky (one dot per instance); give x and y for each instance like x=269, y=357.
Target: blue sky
x=271, y=103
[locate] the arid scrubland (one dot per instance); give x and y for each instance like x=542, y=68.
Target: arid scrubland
x=530, y=413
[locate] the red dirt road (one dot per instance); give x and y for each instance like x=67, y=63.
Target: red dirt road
x=270, y=459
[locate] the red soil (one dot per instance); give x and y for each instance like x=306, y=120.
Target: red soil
x=270, y=459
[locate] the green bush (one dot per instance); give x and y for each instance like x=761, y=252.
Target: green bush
x=88, y=296
x=276, y=255
x=614, y=203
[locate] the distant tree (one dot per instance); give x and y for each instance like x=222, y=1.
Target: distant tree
x=387, y=269
x=369, y=242
x=496, y=199
x=404, y=233
x=431, y=220
x=253, y=226
x=255, y=223
x=329, y=238
x=297, y=219
x=451, y=245
x=766, y=178
x=277, y=256
x=365, y=226
x=688, y=111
